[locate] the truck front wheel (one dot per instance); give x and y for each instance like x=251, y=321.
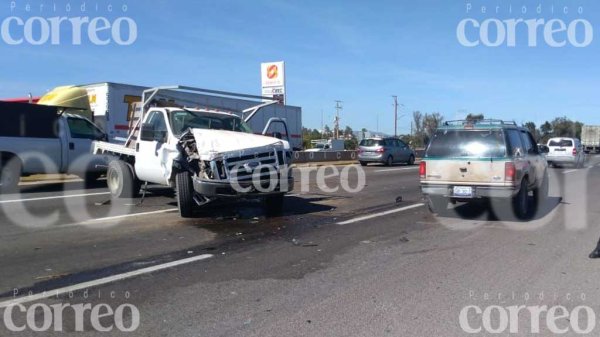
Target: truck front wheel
x=121, y=180
x=185, y=194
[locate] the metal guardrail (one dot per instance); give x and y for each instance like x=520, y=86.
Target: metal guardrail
x=319, y=156
x=324, y=156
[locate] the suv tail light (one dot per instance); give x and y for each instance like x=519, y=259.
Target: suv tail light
x=510, y=171
x=380, y=150
x=423, y=170
x=574, y=151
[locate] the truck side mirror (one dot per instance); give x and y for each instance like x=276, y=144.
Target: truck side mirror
x=147, y=132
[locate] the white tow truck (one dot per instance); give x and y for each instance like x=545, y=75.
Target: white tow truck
x=205, y=155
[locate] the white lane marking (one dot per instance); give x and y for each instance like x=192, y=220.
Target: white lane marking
x=376, y=215
x=104, y=280
x=129, y=215
x=53, y=197
x=397, y=169
x=569, y=171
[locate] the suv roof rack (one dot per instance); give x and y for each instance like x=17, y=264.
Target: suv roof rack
x=461, y=122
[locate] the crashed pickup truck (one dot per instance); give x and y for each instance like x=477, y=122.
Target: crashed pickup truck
x=205, y=155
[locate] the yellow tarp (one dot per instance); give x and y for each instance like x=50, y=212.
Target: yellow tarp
x=72, y=97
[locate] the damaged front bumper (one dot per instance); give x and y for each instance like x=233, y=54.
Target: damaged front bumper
x=242, y=189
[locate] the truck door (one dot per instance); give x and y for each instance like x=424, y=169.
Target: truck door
x=81, y=133
x=150, y=153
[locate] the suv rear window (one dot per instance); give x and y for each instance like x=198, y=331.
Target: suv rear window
x=467, y=143
x=371, y=142
x=560, y=142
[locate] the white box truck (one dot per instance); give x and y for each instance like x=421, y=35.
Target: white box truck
x=113, y=108
x=590, y=138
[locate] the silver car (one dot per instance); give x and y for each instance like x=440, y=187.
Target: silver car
x=385, y=150
x=563, y=150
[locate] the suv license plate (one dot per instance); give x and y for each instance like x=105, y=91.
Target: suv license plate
x=463, y=191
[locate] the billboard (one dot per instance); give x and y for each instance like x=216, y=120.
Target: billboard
x=273, y=80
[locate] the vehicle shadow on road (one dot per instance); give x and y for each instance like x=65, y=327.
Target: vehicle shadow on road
x=485, y=211
x=251, y=209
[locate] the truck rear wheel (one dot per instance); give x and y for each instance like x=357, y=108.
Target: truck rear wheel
x=10, y=175
x=121, y=180
x=185, y=194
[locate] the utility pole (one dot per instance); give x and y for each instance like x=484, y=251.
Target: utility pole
x=336, y=120
x=322, y=126
x=395, y=115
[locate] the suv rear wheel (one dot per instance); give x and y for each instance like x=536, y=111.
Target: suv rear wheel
x=520, y=202
x=389, y=161
x=540, y=194
x=411, y=160
x=437, y=204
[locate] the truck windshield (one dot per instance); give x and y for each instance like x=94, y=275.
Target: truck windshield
x=181, y=120
x=467, y=143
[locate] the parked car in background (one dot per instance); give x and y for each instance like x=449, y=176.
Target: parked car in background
x=385, y=150
x=563, y=150
x=487, y=159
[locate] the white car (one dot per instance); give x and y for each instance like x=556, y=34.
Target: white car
x=564, y=150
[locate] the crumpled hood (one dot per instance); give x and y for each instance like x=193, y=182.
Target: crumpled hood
x=220, y=141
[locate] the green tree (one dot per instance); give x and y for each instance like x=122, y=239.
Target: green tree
x=431, y=122
x=326, y=131
x=350, y=144
x=533, y=129
x=348, y=132
x=546, y=131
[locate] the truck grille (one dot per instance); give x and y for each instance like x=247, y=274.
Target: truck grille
x=243, y=167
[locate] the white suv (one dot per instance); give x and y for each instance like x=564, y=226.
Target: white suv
x=565, y=151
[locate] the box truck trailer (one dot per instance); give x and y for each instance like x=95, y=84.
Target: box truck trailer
x=590, y=138
x=113, y=106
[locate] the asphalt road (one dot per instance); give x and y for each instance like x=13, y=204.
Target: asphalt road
x=372, y=263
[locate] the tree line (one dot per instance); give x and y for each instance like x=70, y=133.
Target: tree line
x=423, y=125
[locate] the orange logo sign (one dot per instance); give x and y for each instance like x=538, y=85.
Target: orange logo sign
x=272, y=71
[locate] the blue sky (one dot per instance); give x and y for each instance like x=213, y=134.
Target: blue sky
x=360, y=52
